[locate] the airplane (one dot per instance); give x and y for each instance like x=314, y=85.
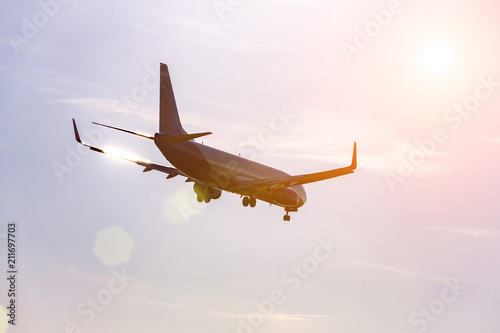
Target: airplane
x=213, y=171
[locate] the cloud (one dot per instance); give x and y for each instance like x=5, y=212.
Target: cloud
x=210, y=306
x=144, y=28
x=47, y=81
x=48, y=90
x=495, y=140
x=395, y=270
x=471, y=232
x=153, y=302
x=245, y=43
x=48, y=76
x=156, y=21
x=307, y=3
x=288, y=317
x=98, y=103
x=112, y=106
x=199, y=32
x=4, y=41
x=198, y=26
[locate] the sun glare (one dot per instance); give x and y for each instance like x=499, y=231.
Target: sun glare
x=436, y=58
x=120, y=154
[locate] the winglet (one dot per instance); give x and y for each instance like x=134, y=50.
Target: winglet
x=354, y=163
x=77, y=136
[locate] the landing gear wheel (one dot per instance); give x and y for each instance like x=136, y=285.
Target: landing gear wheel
x=207, y=200
x=286, y=218
x=246, y=201
x=253, y=202
x=199, y=198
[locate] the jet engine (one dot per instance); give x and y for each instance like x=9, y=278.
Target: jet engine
x=285, y=197
x=207, y=191
x=212, y=193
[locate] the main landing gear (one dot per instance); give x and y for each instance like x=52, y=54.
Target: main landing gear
x=247, y=201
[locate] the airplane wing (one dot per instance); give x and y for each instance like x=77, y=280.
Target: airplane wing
x=273, y=183
x=148, y=166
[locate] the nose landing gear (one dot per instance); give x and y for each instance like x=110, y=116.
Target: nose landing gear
x=250, y=201
x=286, y=217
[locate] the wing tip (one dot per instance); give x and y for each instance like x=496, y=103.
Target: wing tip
x=354, y=163
x=77, y=135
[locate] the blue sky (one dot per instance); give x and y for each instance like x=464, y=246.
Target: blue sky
x=415, y=228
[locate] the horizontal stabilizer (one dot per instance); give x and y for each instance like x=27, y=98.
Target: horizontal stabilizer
x=164, y=138
x=181, y=138
x=127, y=131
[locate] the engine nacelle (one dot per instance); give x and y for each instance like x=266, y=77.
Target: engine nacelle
x=198, y=189
x=212, y=193
x=207, y=191
x=285, y=197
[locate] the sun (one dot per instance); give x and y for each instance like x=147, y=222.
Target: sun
x=436, y=58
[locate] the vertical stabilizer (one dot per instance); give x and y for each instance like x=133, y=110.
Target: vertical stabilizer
x=170, y=123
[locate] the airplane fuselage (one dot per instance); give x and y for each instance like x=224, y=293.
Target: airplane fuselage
x=226, y=171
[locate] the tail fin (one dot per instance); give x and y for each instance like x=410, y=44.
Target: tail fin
x=170, y=123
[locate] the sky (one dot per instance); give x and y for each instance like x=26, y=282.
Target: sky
x=408, y=243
